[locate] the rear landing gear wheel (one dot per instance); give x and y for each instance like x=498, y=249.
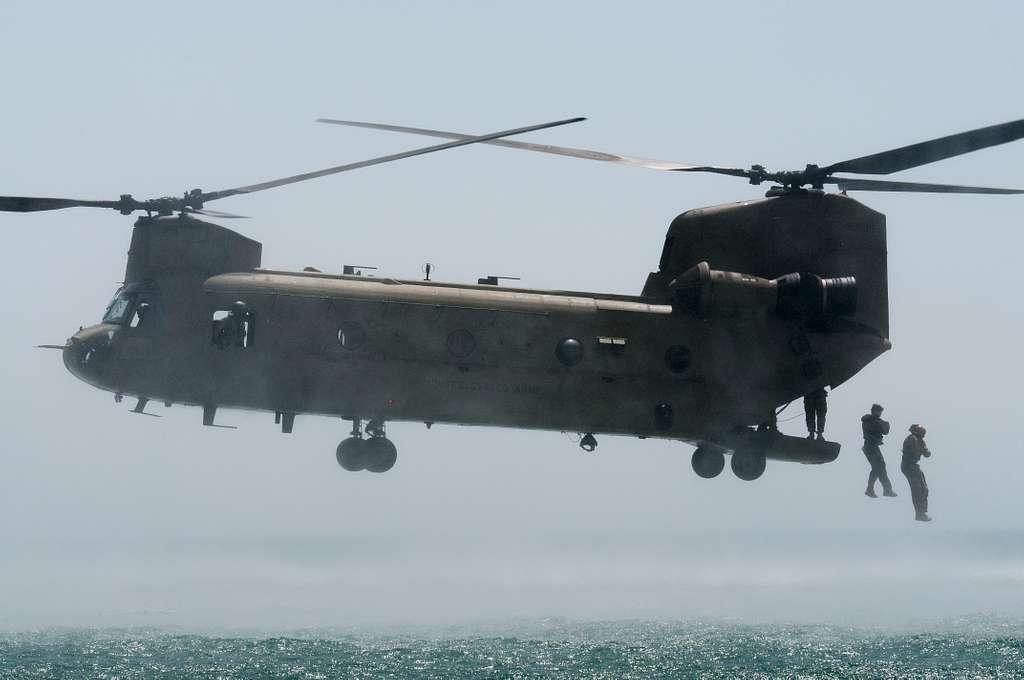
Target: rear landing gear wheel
x=748, y=465
x=706, y=463
x=381, y=454
x=352, y=454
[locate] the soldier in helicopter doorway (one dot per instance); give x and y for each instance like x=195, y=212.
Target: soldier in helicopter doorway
x=815, y=408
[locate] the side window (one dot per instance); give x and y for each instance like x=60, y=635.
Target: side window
x=234, y=326
x=351, y=335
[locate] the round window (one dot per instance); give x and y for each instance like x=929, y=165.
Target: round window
x=461, y=343
x=569, y=351
x=351, y=335
x=677, y=358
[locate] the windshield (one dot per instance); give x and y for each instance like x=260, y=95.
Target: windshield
x=117, y=310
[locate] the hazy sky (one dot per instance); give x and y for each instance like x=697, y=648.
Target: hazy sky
x=107, y=98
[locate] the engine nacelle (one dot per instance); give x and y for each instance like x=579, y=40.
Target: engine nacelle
x=702, y=290
x=808, y=296
x=830, y=235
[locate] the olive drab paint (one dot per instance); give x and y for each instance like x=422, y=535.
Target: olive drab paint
x=717, y=341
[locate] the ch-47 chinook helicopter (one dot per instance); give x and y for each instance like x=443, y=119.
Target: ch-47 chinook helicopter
x=753, y=305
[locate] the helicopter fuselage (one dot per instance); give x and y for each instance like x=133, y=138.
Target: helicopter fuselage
x=702, y=356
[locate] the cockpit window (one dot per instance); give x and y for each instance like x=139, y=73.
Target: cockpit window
x=135, y=305
x=117, y=310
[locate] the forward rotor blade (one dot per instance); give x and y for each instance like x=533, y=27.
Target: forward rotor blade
x=214, y=195
x=853, y=184
x=911, y=156
x=37, y=204
x=732, y=172
x=587, y=154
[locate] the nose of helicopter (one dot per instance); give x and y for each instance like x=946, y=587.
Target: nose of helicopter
x=86, y=352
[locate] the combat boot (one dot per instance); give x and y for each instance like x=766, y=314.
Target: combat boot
x=870, y=493
x=923, y=517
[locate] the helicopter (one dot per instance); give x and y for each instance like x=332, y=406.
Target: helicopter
x=753, y=305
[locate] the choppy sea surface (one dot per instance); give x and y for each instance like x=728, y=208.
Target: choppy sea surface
x=904, y=604
x=977, y=647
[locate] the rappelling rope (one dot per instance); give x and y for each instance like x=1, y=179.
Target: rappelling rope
x=779, y=412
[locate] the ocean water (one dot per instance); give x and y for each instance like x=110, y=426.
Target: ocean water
x=906, y=604
x=967, y=648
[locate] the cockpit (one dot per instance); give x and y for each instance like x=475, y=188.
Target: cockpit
x=132, y=305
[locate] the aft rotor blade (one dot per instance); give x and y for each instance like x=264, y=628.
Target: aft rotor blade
x=854, y=184
x=588, y=154
x=37, y=204
x=213, y=195
x=922, y=153
x=215, y=213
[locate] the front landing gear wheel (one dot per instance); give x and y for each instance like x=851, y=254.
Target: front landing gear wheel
x=748, y=465
x=707, y=464
x=352, y=454
x=381, y=454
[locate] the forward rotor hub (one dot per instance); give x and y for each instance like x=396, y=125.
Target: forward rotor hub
x=194, y=201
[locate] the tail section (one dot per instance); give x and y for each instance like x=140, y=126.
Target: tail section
x=831, y=238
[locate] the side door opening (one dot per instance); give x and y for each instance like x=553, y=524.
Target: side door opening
x=234, y=326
